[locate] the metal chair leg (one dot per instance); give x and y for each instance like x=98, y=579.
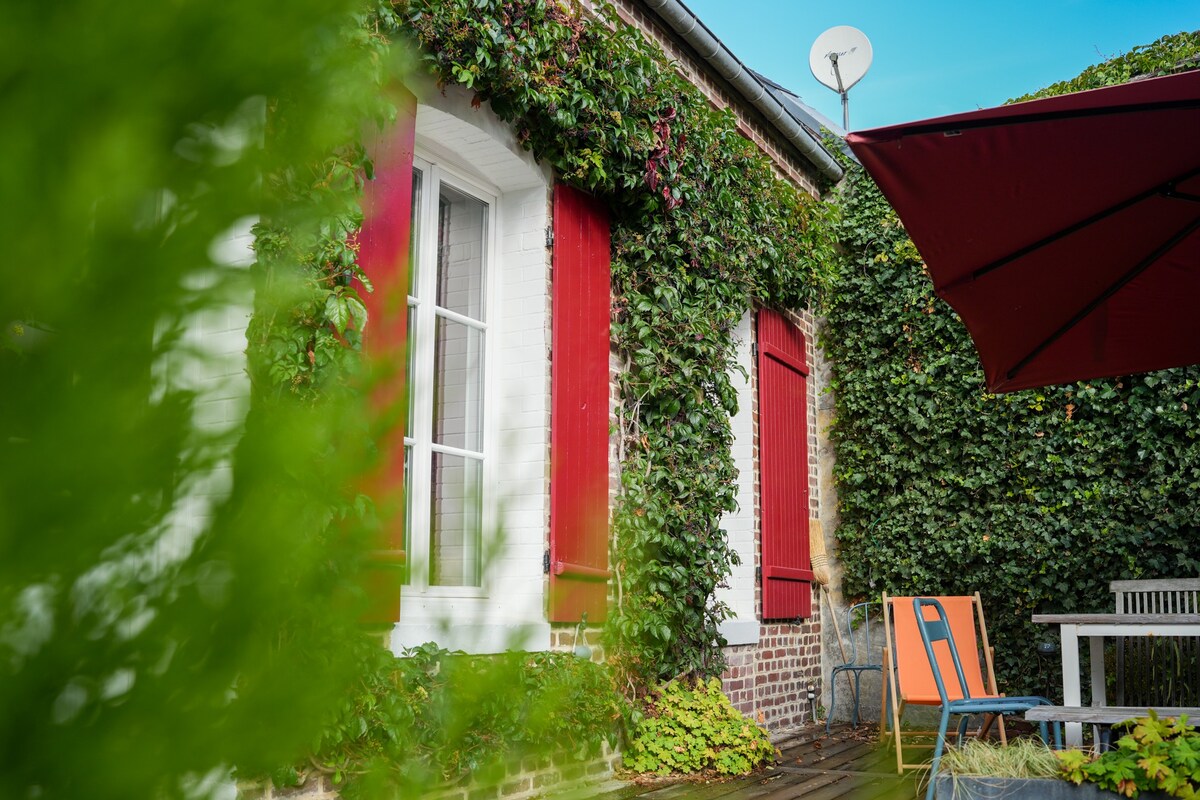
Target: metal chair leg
x=938, y=747
x=857, y=694
x=832, y=699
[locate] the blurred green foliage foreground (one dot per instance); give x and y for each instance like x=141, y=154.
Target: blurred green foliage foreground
x=169, y=589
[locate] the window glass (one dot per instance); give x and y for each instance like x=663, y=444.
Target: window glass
x=455, y=521
x=408, y=510
x=447, y=334
x=458, y=397
x=462, y=231
x=414, y=241
x=411, y=339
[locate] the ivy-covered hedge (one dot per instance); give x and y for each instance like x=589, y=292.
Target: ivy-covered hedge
x=1037, y=499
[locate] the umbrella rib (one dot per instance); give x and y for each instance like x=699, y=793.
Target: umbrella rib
x=1164, y=189
x=1172, y=195
x=1136, y=270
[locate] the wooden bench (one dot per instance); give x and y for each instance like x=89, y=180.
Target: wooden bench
x=1101, y=718
x=1104, y=715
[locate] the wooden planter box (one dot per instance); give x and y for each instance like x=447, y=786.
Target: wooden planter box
x=949, y=787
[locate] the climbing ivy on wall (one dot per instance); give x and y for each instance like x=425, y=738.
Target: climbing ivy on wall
x=702, y=228
x=1037, y=498
x=306, y=245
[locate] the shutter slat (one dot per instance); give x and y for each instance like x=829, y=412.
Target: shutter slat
x=783, y=468
x=579, y=413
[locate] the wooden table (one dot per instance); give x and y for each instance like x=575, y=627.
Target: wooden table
x=1095, y=627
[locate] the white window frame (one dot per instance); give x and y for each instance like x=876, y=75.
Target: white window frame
x=474, y=147
x=435, y=173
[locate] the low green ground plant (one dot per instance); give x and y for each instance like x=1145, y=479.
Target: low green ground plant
x=433, y=717
x=1154, y=755
x=690, y=726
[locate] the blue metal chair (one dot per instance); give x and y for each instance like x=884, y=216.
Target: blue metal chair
x=854, y=666
x=938, y=630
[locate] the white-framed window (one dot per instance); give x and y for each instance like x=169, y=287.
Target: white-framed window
x=477, y=446
x=446, y=459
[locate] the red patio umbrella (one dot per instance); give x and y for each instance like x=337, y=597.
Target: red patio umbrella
x=1065, y=232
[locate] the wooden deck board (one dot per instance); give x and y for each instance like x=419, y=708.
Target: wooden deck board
x=812, y=766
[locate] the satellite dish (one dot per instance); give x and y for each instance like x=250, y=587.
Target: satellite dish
x=839, y=58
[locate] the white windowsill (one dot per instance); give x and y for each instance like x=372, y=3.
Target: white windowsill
x=739, y=631
x=473, y=637
x=445, y=592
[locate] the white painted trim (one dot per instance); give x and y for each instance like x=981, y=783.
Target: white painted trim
x=740, y=631
x=739, y=526
x=470, y=637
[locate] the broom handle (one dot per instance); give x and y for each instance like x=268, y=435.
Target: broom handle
x=841, y=642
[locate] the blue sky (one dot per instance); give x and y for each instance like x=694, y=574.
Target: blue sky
x=934, y=58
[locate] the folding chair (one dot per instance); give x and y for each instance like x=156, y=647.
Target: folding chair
x=910, y=679
x=960, y=701
x=853, y=666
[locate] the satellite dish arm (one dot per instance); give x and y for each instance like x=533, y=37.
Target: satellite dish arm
x=837, y=73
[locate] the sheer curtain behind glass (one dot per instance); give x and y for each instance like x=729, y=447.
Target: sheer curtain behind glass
x=449, y=327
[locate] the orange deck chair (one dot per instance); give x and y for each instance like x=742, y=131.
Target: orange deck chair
x=909, y=678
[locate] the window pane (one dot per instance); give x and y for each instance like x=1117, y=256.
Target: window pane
x=455, y=521
x=462, y=228
x=414, y=236
x=410, y=384
x=458, y=393
x=408, y=506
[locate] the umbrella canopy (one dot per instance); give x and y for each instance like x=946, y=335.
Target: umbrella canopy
x=1065, y=232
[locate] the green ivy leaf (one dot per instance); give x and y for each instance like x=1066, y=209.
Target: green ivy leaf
x=337, y=311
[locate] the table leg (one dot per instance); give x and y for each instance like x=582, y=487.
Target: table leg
x=1099, y=684
x=1069, y=636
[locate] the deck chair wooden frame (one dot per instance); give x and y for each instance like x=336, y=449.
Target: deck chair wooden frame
x=909, y=679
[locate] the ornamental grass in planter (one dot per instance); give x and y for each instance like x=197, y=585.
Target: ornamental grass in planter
x=1025, y=768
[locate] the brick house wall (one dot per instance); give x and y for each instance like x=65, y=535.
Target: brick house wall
x=769, y=665
x=526, y=779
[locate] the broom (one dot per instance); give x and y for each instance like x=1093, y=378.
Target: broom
x=819, y=561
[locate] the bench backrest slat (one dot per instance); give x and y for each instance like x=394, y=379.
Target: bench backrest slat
x=1154, y=672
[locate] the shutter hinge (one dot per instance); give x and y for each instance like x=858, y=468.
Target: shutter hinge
x=549, y=236
x=754, y=349
x=758, y=575
x=546, y=562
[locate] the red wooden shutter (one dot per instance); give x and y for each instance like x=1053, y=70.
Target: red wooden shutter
x=783, y=468
x=579, y=408
x=383, y=254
